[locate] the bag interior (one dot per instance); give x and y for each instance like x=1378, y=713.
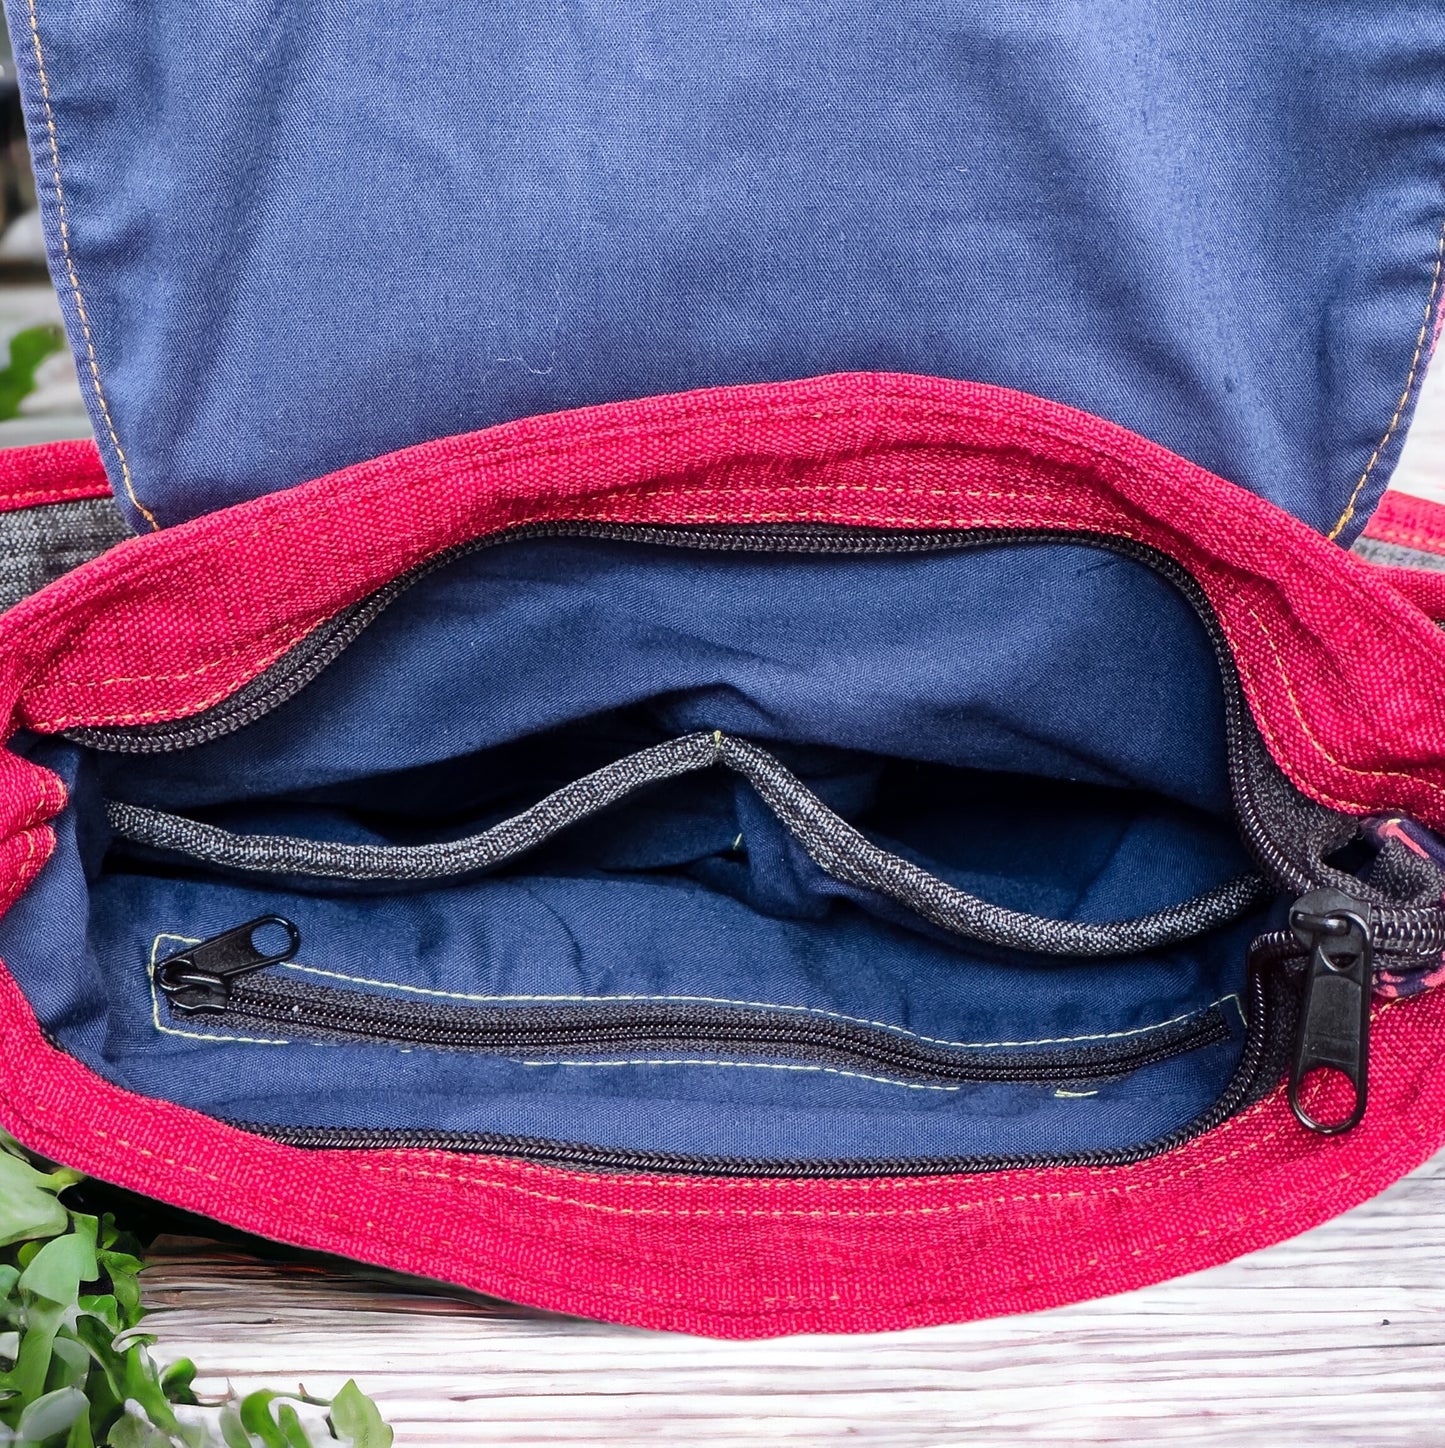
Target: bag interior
x=1040, y=724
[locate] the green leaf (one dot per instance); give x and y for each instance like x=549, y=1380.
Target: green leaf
x=176, y=1381
x=89, y=1228
x=257, y=1419
x=355, y=1419
x=110, y=1364
x=123, y=1272
x=143, y=1386
x=73, y=1361
x=292, y=1428
x=50, y=1415
x=32, y=1364
x=79, y=1366
x=233, y=1431
x=54, y=1181
x=80, y=1435
x=28, y=349
x=28, y=1205
x=132, y=1432
x=103, y=1308
x=61, y=1265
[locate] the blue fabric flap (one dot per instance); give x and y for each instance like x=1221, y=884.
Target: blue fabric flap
x=289, y=238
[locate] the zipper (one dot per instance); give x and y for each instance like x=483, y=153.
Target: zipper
x=1331, y=941
x=229, y=974
x=331, y=638
x=202, y=977
x=839, y=850
x=1334, y=1034
x=1246, y=756
x=1258, y=1069
x=1335, y=947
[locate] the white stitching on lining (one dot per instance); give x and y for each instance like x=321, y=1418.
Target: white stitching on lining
x=175, y=1031
x=756, y=1066
x=183, y=940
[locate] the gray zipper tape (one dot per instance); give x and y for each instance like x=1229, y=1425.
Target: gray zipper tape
x=831, y=842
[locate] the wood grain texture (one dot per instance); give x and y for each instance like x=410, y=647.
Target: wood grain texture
x=1421, y=469
x=1335, y=1338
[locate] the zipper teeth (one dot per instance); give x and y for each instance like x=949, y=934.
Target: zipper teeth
x=1405, y=937
x=315, y=653
x=321, y=648
x=372, y=1018
x=1241, y=1089
x=1410, y=929
x=1274, y=949
x=324, y=645
x=311, y=657
x=1419, y=931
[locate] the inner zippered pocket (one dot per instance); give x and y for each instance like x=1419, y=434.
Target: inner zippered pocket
x=230, y=980
x=835, y=846
x=1292, y=839
x=226, y=979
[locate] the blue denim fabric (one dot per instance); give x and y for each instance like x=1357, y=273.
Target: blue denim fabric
x=1041, y=725
x=297, y=237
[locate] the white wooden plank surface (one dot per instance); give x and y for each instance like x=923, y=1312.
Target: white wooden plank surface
x=1332, y=1339
x=1421, y=469
x=1335, y=1338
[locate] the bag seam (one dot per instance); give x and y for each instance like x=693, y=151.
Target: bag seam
x=1406, y=395
x=1251, y=684
x=917, y=409
x=371, y=488
x=72, y=276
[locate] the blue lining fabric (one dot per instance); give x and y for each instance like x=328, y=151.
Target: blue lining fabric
x=1042, y=725
x=296, y=237
x=1063, y=661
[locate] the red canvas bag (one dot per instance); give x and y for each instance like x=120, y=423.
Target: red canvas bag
x=782, y=856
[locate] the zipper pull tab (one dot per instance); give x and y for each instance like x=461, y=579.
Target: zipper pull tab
x=200, y=977
x=1334, y=1030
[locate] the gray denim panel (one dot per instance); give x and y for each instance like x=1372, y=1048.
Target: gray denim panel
x=1396, y=555
x=835, y=846
x=39, y=544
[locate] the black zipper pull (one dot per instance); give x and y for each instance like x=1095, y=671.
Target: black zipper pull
x=200, y=977
x=1334, y=1030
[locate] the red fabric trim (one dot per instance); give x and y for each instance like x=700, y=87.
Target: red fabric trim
x=1416, y=523
x=1346, y=678
x=51, y=472
x=1425, y=588
x=166, y=625
x=1410, y=522
x=754, y=1258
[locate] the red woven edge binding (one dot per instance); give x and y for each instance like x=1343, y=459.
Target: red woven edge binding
x=1346, y=678
x=1410, y=522
x=51, y=472
x=1419, y=524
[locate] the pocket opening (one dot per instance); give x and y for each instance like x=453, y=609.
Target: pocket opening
x=1100, y=889
x=835, y=846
